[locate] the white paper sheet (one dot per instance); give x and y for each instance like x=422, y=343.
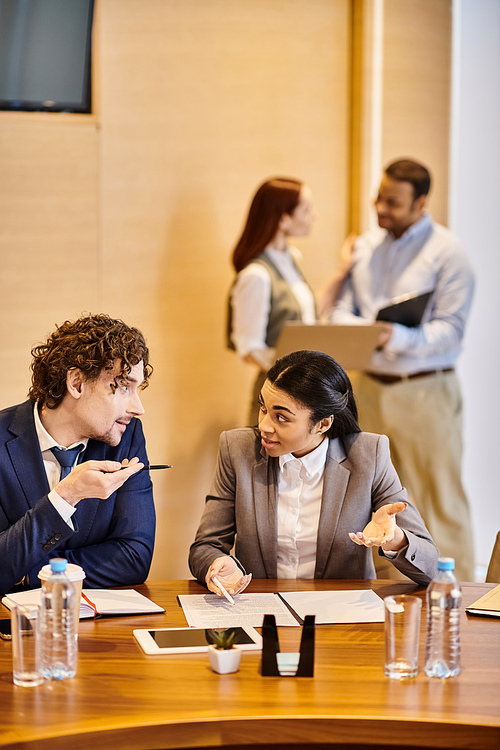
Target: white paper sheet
x=337, y=606
x=212, y=611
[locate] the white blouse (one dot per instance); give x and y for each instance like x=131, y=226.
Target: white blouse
x=251, y=303
x=300, y=489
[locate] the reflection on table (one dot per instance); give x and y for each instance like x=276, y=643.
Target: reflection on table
x=122, y=698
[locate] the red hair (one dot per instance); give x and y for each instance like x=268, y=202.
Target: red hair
x=274, y=198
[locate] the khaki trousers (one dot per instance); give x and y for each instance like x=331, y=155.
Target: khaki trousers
x=422, y=417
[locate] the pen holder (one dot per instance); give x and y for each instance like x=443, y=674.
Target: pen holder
x=276, y=664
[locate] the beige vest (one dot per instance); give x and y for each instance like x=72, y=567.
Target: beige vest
x=284, y=305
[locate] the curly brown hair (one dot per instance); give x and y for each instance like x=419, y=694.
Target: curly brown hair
x=90, y=344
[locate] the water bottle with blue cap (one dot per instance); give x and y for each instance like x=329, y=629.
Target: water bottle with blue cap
x=444, y=599
x=58, y=629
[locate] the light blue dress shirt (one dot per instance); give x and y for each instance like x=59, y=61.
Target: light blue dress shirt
x=426, y=257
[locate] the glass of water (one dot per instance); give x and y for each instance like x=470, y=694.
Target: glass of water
x=402, y=633
x=25, y=645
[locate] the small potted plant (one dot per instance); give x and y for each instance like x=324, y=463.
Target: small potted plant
x=223, y=654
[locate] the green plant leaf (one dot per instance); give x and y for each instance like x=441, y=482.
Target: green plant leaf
x=223, y=639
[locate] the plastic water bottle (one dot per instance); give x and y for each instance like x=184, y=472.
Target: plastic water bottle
x=59, y=649
x=444, y=599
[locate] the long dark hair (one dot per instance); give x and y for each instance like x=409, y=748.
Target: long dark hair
x=275, y=197
x=320, y=384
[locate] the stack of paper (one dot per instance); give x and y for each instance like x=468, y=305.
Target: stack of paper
x=488, y=605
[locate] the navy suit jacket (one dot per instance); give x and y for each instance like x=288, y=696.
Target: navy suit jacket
x=113, y=539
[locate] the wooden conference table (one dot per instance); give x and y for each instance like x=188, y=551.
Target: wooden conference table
x=122, y=698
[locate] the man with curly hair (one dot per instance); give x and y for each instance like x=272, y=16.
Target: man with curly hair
x=71, y=456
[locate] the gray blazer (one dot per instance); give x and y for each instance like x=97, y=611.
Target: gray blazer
x=359, y=478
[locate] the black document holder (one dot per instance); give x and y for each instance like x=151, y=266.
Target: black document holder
x=408, y=311
x=271, y=647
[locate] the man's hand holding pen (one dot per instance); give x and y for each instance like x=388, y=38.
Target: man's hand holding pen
x=96, y=479
x=100, y=478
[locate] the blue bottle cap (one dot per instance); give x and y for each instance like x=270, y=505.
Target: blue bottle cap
x=58, y=564
x=446, y=563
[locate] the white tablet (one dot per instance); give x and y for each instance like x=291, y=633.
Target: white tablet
x=190, y=640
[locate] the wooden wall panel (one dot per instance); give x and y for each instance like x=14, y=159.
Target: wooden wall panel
x=416, y=89
x=48, y=234
x=401, y=96
x=200, y=102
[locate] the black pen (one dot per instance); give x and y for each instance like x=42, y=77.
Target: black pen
x=155, y=466
x=146, y=467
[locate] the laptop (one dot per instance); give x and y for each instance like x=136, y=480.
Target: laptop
x=351, y=345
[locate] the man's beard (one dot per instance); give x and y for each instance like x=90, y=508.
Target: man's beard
x=110, y=438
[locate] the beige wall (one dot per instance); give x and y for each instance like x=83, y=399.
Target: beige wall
x=400, y=96
x=48, y=234
x=133, y=211
x=416, y=89
x=200, y=103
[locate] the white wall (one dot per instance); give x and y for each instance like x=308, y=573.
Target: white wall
x=475, y=217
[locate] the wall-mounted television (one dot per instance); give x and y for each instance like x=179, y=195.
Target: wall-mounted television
x=45, y=55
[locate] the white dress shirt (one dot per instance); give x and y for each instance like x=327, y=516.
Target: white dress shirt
x=251, y=303
x=300, y=489
x=53, y=467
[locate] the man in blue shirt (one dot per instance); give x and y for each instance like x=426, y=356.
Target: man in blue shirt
x=411, y=392
x=71, y=456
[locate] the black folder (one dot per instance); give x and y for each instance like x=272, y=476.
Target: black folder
x=407, y=310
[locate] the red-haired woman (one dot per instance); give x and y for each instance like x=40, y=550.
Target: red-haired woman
x=269, y=288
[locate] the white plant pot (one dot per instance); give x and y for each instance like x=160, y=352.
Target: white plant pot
x=224, y=661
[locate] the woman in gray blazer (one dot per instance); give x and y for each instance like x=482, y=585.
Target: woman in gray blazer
x=291, y=496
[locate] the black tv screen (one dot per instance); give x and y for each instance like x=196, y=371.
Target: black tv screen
x=45, y=55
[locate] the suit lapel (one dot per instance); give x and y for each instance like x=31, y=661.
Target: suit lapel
x=25, y=455
x=265, y=497
x=26, y=458
x=335, y=480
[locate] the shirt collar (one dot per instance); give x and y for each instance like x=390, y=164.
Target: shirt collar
x=312, y=462
x=277, y=255
x=288, y=255
x=47, y=441
x=415, y=230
